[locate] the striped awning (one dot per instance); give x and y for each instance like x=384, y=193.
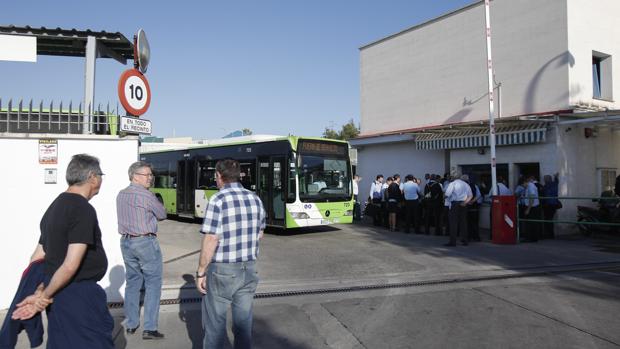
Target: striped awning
x=525, y=133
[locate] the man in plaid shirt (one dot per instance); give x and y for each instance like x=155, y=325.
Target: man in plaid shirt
x=227, y=275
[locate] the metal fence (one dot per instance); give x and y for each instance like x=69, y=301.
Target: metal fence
x=23, y=117
x=600, y=215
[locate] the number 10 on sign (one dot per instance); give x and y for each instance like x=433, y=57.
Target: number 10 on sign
x=134, y=92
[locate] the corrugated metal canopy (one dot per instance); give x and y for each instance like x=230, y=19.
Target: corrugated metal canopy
x=473, y=137
x=72, y=42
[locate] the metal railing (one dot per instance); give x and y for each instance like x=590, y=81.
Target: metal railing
x=581, y=222
x=28, y=118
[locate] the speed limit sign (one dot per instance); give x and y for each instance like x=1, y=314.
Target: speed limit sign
x=134, y=92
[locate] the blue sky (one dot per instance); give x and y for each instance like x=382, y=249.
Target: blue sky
x=273, y=66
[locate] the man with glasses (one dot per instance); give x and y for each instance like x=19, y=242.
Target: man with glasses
x=138, y=211
x=74, y=258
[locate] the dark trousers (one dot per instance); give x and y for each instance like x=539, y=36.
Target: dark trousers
x=445, y=219
x=473, y=222
x=458, y=221
x=412, y=213
x=532, y=230
x=522, y=225
x=549, y=227
x=357, y=210
x=378, y=211
x=385, y=213
x=79, y=318
x=433, y=214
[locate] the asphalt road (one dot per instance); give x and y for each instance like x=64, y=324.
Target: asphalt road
x=370, y=288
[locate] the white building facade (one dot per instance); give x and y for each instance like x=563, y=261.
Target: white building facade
x=424, y=95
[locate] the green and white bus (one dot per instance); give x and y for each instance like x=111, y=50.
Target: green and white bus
x=302, y=181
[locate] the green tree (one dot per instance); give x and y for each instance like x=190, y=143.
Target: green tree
x=331, y=134
x=348, y=131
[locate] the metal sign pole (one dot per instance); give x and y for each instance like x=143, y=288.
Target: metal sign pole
x=491, y=97
x=89, y=84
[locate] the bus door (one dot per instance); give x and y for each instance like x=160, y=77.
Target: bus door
x=270, y=188
x=186, y=179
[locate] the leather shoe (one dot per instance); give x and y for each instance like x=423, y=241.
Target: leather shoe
x=152, y=335
x=131, y=330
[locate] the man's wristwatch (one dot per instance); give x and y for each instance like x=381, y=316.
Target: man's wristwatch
x=198, y=276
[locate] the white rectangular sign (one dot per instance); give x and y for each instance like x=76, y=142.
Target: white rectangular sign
x=51, y=175
x=18, y=48
x=135, y=125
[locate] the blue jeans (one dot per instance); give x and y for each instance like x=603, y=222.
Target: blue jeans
x=231, y=284
x=143, y=263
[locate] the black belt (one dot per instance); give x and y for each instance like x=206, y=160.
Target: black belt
x=130, y=236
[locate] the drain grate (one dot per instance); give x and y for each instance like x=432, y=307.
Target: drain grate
x=613, y=266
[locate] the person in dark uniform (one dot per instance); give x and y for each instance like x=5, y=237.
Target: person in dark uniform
x=433, y=204
x=75, y=260
x=394, y=197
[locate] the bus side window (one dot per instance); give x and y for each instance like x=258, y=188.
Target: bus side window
x=247, y=175
x=162, y=175
x=206, y=175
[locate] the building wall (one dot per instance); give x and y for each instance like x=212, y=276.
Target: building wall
x=437, y=73
x=25, y=198
x=542, y=153
x=592, y=26
x=401, y=158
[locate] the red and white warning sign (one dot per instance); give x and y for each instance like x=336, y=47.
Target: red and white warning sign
x=134, y=92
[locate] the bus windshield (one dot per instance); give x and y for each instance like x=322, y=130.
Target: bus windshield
x=324, y=177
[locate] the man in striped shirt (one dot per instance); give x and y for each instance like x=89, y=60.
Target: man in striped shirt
x=138, y=211
x=227, y=275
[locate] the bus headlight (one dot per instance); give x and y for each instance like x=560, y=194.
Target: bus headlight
x=299, y=215
x=348, y=213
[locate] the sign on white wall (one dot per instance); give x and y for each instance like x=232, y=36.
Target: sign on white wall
x=48, y=151
x=18, y=48
x=51, y=176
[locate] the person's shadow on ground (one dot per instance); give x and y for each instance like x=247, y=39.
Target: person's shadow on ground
x=117, y=279
x=189, y=312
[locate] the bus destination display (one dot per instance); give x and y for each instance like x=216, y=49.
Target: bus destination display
x=323, y=148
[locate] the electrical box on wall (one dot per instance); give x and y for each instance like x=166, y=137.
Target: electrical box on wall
x=590, y=132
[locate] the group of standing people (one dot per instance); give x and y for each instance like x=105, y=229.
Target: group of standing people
x=451, y=204
x=74, y=260
x=421, y=204
x=537, y=201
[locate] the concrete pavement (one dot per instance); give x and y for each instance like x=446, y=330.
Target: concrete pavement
x=482, y=306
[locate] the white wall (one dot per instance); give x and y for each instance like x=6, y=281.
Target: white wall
x=25, y=198
x=401, y=158
x=436, y=73
x=592, y=26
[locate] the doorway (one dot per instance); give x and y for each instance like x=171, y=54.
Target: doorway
x=481, y=175
x=186, y=171
x=270, y=188
x=527, y=169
